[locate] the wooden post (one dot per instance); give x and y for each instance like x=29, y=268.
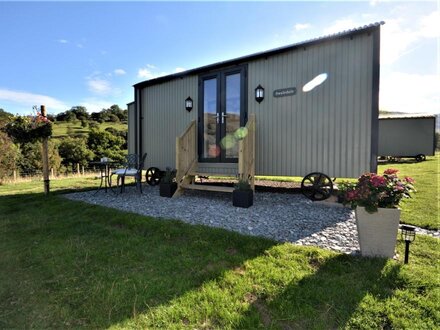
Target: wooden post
x=52, y=174
x=77, y=169
x=45, y=155
x=14, y=173
x=82, y=169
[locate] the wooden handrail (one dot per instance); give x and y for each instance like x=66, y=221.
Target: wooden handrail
x=186, y=155
x=246, y=154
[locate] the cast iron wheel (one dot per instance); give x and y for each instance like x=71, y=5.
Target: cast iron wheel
x=317, y=186
x=153, y=176
x=420, y=157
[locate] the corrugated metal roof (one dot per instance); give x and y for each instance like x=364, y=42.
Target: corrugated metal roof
x=406, y=115
x=254, y=56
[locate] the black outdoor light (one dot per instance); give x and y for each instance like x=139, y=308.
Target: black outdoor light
x=188, y=104
x=409, y=235
x=259, y=94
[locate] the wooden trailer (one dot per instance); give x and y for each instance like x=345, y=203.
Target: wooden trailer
x=407, y=136
x=308, y=109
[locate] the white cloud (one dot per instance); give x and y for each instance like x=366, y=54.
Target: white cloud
x=30, y=99
x=119, y=72
x=62, y=41
x=341, y=25
x=399, y=36
x=96, y=105
x=99, y=86
x=150, y=72
x=302, y=26
x=421, y=92
x=145, y=73
x=430, y=25
x=79, y=45
x=177, y=70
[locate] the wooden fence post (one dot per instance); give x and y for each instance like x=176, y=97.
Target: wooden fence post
x=45, y=158
x=14, y=173
x=77, y=169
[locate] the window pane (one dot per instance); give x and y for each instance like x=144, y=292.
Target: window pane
x=210, y=149
x=232, y=110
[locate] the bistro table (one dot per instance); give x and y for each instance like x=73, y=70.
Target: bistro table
x=105, y=166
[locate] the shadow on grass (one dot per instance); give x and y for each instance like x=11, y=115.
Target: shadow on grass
x=65, y=263
x=326, y=299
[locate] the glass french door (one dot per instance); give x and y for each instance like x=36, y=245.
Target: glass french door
x=222, y=112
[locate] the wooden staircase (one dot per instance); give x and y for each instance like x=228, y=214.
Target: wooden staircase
x=188, y=167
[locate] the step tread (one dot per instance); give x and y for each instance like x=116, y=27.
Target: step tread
x=208, y=187
x=196, y=173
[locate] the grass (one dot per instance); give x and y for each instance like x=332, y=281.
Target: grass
x=423, y=209
x=60, y=129
x=66, y=264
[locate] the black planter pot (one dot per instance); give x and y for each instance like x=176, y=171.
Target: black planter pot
x=167, y=189
x=243, y=198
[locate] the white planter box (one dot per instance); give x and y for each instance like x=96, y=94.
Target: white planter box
x=377, y=231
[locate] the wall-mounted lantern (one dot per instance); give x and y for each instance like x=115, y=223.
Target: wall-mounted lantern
x=259, y=94
x=409, y=235
x=188, y=104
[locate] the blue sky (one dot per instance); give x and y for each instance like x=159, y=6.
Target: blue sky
x=63, y=54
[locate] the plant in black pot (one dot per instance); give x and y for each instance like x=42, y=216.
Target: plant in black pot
x=168, y=185
x=243, y=195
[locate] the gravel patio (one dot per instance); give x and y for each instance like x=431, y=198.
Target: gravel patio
x=280, y=216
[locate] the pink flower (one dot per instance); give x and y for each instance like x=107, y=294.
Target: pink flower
x=351, y=195
x=391, y=171
x=409, y=180
x=378, y=181
x=398, y=188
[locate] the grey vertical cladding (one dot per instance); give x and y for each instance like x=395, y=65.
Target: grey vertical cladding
x=131, y=131
x=165, y=118
x=406, y=137
x=327, y=129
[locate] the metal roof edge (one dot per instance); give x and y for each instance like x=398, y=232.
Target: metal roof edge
x=262, y=54
x=407, y=116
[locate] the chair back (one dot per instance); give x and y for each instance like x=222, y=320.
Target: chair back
x=131, y=161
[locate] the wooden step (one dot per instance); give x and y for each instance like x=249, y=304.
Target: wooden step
x=207, y=187
x=195, y=173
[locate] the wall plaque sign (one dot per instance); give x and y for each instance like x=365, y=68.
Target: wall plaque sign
x=284, y=92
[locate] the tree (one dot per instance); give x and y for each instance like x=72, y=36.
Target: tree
x=105, y=144
x=75, y=151
x=30, y=158
x=80, y=112
x=8, y=156
x=5, y=117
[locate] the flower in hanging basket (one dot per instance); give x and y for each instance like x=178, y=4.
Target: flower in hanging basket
x=25, y=129
x=374, y=191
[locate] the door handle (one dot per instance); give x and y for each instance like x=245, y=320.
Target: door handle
x=223, y=117
x=217, y=118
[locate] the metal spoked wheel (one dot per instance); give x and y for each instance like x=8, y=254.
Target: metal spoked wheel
x=420, y=157
x=153, y=176
x=317, y=186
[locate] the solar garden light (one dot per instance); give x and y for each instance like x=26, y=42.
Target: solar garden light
x=409, y=235
x=259, y=94
x=188, y=104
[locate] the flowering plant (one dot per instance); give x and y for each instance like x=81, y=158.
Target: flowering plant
x=373, y=191
x=29, y=128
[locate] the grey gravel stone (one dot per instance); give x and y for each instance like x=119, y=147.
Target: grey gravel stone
x=283, y=217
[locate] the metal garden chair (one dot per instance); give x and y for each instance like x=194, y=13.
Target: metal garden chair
x=133, y=168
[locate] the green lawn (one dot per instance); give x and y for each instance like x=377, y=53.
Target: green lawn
x=66, y=264
x=60, y=129
x=423, y=209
